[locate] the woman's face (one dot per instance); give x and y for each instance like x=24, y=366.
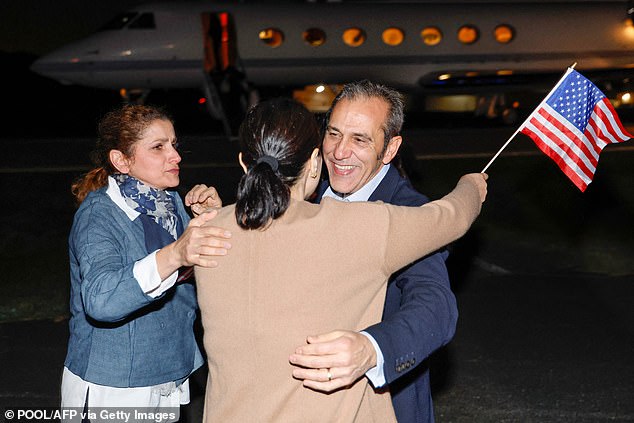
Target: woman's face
x=154, y=158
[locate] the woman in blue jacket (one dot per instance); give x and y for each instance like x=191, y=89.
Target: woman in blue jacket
x=131, y=248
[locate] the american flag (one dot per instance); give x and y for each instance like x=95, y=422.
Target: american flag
x=573, y=124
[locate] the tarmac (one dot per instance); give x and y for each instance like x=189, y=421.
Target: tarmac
x=546, y=326
x=528, y=348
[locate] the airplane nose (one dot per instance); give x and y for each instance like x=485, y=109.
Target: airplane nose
x=38, y=66
x=49, y=68
x=69, y=64
x=53, y=65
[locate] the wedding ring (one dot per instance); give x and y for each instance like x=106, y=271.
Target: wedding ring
x=329, y=375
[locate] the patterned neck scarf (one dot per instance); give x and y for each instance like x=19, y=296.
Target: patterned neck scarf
x=156, y=203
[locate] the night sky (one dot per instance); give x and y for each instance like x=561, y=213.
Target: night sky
x=37, y=27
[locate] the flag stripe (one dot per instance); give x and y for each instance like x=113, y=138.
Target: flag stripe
x=580, y=182
x=611, y=114
x=565, y=141
x=580, y=175
x=569, y=137
x=603, y=118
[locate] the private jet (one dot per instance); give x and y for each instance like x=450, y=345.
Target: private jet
x=232, y=49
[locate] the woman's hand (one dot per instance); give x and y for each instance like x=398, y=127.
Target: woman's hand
x=202, y=198
x=479, y=180
x=197, y=246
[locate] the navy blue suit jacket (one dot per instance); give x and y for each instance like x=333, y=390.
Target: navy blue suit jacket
x=420, y=314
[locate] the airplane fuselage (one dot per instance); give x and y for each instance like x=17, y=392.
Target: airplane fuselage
x=547, y=37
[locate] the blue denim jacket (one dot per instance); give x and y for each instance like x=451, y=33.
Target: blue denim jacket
x=119, y=336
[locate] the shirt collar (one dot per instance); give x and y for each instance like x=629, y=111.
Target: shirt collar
x=364, y=193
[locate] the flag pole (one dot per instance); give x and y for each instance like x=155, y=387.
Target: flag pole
x=570, y=68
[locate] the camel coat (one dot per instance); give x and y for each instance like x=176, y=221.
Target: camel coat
x=315, y=269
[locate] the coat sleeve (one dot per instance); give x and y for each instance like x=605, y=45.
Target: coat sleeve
x=420, y=318
x=414, y=232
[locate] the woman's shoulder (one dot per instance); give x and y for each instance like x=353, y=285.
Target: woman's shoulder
x=226, y=217
x=97, y=203
x=96, y=198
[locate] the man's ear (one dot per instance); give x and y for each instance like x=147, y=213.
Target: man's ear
x=119, y=161
x=244, y=167
x=392, y=149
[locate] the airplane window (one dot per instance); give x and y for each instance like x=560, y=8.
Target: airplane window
x=119, y=21
x=393, y=36
x=431, y=35
x=504, y=33
x=468, y=34
x=272, y=37
x=314, y=36
x=145, y=21
x=353, y=37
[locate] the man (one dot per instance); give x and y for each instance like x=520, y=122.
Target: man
x=361, y=139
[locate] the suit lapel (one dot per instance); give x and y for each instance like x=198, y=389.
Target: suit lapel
x=319, y=193
x=385, y=190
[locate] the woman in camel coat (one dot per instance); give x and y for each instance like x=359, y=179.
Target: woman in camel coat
x=285, y=275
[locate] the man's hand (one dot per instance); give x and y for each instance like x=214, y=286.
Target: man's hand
x=202, y=198
x=333, y=360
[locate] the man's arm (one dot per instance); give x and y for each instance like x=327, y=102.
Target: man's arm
x=424, y=320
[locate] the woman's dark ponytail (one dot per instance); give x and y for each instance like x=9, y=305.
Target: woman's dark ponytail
x=262, y=197
x=277, y=138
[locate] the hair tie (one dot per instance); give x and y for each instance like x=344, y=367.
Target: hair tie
x=269, y=160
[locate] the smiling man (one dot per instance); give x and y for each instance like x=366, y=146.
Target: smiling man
x=362, y=137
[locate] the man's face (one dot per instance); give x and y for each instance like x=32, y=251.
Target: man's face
x=353, y=143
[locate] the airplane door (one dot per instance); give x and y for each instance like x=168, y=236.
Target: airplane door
x=227, y=87
x=220, y=45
